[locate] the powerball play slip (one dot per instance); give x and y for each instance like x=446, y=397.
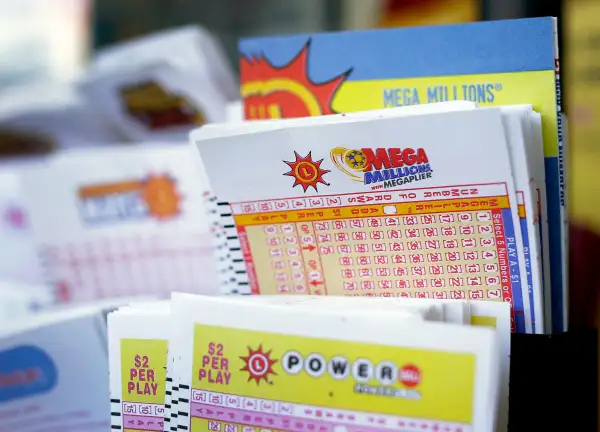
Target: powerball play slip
x=421, y=207
x=260, y=381
x=245, y=366
x=491, y=63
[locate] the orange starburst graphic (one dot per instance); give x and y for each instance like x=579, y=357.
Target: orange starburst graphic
x=306, y=172
x=286, y=91
x=259, y=365
x=161, y=196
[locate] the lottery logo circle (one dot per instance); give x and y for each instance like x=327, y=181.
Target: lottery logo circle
x=259, y=364
x=355, y=160
x=409, y=375
x=307, y=172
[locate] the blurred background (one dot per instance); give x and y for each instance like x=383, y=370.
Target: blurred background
x=48, y=43
x=101, y=218
x=51, y=40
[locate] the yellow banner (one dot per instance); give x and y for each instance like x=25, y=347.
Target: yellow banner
x=369, y=378
x=486, y=90
x=143, y=370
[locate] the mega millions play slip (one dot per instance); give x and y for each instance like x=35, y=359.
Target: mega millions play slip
x=252, y=366
x=490, y=63
x=420, y=206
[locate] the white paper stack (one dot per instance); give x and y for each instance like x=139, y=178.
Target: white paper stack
x=159, y=87
x=438, y=201
x=19, y=301
x=310, y=363
x=138, y=345
x=53, y=117
x=53, y=372
x=122, y=222
x=19, y=260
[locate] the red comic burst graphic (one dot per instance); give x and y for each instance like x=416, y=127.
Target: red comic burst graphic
x=259, y=365
x=286, y=91
x=306, y=172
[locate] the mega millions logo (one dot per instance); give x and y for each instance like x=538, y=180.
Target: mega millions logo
x=286, y=91
x=157, y=108
x=382, y=168
x=154, y=197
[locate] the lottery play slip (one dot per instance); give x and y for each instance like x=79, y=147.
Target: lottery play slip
x=255, y=366
x=128, y=221
x=138, y=346
x=231, y=362
x=419, y=206
x=489, y=63
x=50, y=381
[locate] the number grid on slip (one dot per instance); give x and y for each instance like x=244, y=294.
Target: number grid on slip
x=128, y=266
x=236, y=274
x=444, y=254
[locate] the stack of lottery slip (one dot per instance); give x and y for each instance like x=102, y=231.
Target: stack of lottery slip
x=108, y=222
x=160, y=86
x=38, y=118
x=441, y=201
x=53, y=369
x=350, y=71
x=309, y=363
x=54, y=362
x=154, y=88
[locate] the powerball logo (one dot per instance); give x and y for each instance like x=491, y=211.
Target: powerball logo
x=385, y=378
x=154, y=197
x=383, y=168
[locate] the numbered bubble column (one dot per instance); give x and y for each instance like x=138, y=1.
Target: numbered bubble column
x=313, y=267
x=277, y=255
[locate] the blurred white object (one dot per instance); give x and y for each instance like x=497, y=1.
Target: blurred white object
x=20, y=300
x=105, y=304
x=19, y=259
x=192, y=48
x=235, y=112
x=160, y=87
x=42, y=39
x=55, y=113
x=157, y=102
x=46, y=361
x=123, y=221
